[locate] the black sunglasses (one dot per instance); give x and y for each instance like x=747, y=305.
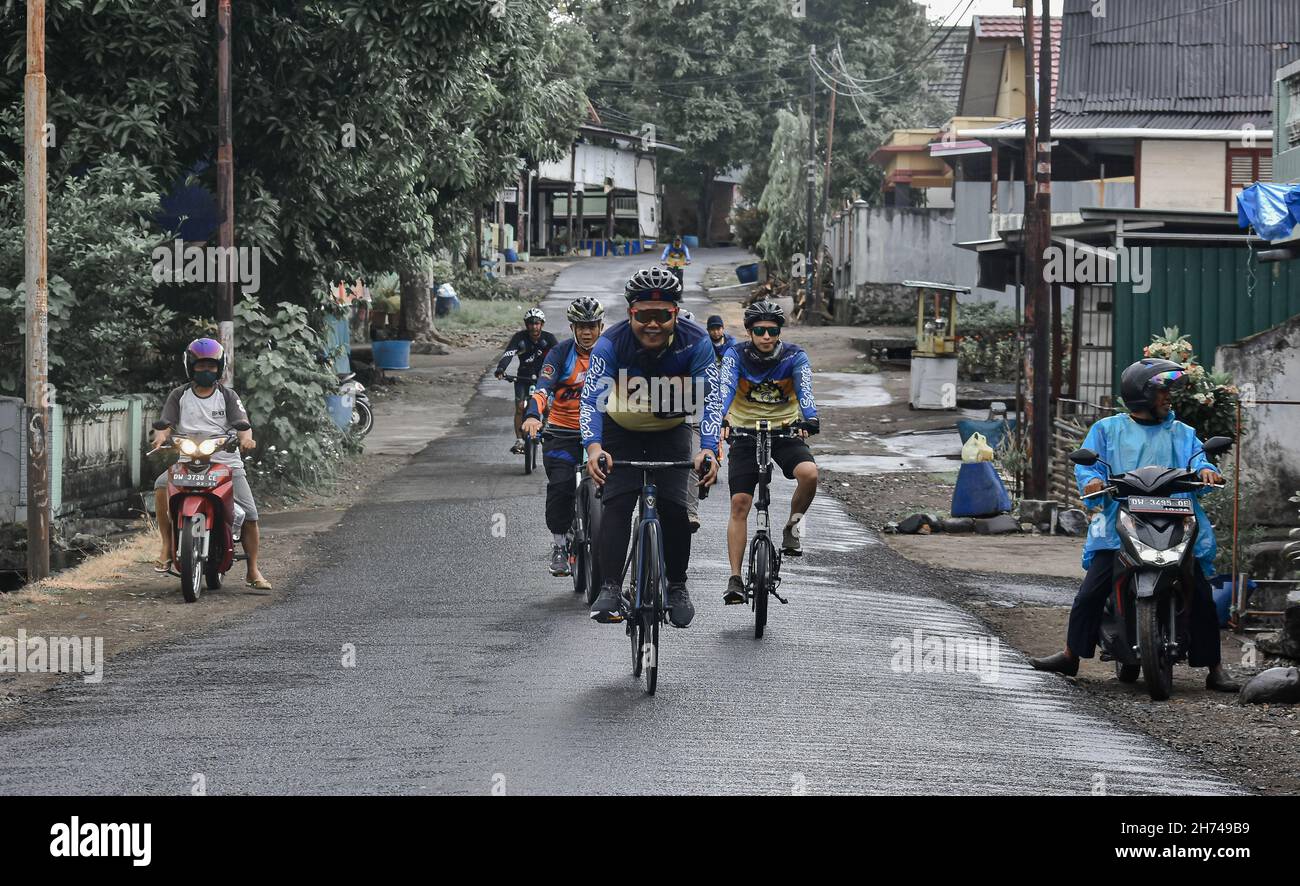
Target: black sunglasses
x=763, y=331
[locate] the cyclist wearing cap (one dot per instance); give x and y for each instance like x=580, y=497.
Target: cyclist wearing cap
x=530, y=345
x=557, y=397
x=677, y=256
x=207, y=408
x=719, y=335
x=767, y=379
x=1147, y=435
x=652, y=352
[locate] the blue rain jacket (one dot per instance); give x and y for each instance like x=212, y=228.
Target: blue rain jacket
x=1125, y=445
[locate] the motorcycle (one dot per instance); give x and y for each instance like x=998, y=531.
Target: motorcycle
x=363, y=419
x=206, y=521
x=1144, y=623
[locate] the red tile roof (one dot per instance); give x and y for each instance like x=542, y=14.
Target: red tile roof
x=1012, y=27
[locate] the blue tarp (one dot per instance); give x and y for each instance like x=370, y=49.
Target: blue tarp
x=1273, y=210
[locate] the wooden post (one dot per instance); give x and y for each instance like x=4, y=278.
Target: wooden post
x=37, y=285
x=225, y=192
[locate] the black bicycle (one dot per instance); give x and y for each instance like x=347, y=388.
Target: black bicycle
x=764, y=575
x=582, y=535
x=645, y=604
x=532, y=443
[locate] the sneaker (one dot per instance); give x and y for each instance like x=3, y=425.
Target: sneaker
x=792, y=537
x=559, y=560
x=694, y=520
x=518, y=448
x=735, y=591
x=680, y=608
x=608, y=608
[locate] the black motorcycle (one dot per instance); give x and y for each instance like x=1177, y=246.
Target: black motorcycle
x=1144, y=625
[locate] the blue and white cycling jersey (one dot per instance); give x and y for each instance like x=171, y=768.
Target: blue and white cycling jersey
x=644, y=391
x=780, y=392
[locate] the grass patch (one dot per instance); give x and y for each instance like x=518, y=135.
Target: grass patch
x=476, y=314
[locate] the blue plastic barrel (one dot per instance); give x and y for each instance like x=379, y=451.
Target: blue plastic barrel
x=979, y=491
x=391, y=354
x=340, y=409
x=512, y=256
x=747, y=273
x=690, y=241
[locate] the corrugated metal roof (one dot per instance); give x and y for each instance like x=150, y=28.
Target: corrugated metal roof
x=1063, y=122
x=1176, y=57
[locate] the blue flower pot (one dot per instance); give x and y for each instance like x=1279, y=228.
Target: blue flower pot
x=391, y=354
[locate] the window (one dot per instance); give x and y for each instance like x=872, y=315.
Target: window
x=1245, y=167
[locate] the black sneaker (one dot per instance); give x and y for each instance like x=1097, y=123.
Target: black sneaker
x=608, y=608
x=559, y=560
x=518, y=448
x=735, y=591
x=680, y=608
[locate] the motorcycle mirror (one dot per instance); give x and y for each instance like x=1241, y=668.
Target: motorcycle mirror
x=242, y=426
x=1085, y=457
x=1216, y=445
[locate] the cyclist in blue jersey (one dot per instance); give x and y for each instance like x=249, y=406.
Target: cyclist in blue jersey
x=767, y=379
x=722, y=340
x=648, y=375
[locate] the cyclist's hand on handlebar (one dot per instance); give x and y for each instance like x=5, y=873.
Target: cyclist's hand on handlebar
x=161, y=438
x=808, y=427
x=706, y=465
x=595, y=456
x=531, y=426
x=1211, y=477
x=499, y=375
x=1093, y=485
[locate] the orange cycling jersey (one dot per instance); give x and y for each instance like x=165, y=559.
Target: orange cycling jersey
x=559, y=384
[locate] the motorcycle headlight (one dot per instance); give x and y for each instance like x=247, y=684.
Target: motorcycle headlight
x=1150, y=555
x=188, y=447
x=207, y=447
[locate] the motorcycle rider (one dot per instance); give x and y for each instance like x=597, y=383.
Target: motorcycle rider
x=207, y=408
x=559, y=387
x=651, y=346
x=766, y=379
x=530, y=345
x=721, y=338
x=1147, y=435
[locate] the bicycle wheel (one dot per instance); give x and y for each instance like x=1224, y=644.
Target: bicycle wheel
x=530, y=455
x=650, y=596
x=760, y=577
x=650, y=649
x=591, y=534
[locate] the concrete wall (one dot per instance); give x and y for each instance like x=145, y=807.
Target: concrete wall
x=1270, y=456
x=11, y=462
x=1184, y=175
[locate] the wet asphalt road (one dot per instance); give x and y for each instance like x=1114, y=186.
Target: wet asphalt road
x=475, y=670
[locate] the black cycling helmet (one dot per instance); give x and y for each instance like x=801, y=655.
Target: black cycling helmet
x=1140, y=381
x=204, y=349
x=585, y=309
x=653, y=284
x=764, y=310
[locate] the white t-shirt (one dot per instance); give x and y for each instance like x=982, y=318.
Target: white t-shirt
x=193, y=416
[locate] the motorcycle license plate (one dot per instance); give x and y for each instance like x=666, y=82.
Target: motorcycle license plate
x=1146, y=505
x=198, y=481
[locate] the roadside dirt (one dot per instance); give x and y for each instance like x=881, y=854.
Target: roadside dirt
x=117, y=597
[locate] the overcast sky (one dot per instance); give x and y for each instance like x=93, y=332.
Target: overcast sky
x=941, y=9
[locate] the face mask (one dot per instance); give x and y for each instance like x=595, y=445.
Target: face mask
x=205, y=378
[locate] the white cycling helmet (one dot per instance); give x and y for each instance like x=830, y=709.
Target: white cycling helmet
x=534, y=314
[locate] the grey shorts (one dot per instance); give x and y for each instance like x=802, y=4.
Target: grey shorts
x=243, y=493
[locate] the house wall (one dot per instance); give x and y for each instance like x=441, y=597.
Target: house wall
x=1182, y=175
x=1270, y=454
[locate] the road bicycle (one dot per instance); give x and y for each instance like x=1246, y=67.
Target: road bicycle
x=764, y=573
x=531, y=444
x=645, y=606
x=581, y=539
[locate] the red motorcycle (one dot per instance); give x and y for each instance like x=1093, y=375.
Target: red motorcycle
x=201, y=501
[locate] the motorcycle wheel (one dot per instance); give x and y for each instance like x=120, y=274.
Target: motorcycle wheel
x=212, y=575
x=1157, y=665
x=1127, y=673
x=191, y=550
x=362, y=418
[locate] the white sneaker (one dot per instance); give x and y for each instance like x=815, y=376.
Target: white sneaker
x=792, y=536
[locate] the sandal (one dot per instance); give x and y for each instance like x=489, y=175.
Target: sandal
x=163, y=568
x=260, y=584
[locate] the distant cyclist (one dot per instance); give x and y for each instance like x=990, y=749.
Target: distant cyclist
x=652, y=349
x=719, y=335
x=677, y=256
x=558, y=398
x=767, y=379
x=530, y=345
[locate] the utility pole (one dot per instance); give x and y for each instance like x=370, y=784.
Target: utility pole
x=1051, y=349
x=225, y=193
x=37, y=286
x=1037, y=303
x=1042, y=439
x=826, y=196
x=809, y=259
